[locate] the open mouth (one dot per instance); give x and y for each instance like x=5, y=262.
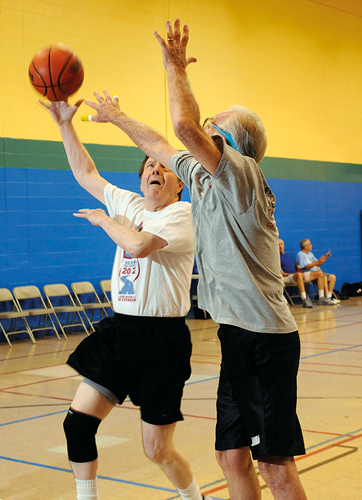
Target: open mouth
x=155, y=182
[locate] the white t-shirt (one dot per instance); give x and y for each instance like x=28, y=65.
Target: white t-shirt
x=157, y=285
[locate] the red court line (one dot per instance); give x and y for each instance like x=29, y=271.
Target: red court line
x=331, y=328
x=30, y=369
x=329, y=349
x=329, y=364
x=331, y=318
x=326, y=343
x=332, y=373
x=39, y=382
x=307, y=455
x=323, y=432
x=37, y=395
x=328, y=447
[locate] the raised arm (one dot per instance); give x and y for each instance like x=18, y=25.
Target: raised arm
x=184, y=109
x=80, y=162
x=149, y=140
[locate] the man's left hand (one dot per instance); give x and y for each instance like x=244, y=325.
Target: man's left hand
x=174, y=51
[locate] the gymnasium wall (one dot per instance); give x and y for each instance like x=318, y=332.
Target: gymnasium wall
x=297, y=64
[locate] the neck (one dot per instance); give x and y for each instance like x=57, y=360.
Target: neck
x=156, y=205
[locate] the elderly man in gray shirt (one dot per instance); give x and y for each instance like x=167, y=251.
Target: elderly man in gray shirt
x=238, y=260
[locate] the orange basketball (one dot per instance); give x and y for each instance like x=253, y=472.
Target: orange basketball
x=56, y=72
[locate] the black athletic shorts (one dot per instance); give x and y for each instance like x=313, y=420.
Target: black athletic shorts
x=145, y=358
x=257, y=393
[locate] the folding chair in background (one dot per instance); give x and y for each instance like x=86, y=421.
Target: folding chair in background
x=59, y=294
x=29, y=298
x=7, y=300
x=106, y=286
x=84, y=292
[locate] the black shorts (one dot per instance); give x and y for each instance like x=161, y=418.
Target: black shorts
x=145, y=358
x=257, y=393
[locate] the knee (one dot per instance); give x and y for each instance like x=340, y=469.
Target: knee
x=155, y=451
x=234, y=460
x=275, y=470
x=80, y=431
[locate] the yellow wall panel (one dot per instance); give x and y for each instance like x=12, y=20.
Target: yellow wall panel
x=297, y=64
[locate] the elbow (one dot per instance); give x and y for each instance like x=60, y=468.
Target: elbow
x=137, y=251
x=185, y=129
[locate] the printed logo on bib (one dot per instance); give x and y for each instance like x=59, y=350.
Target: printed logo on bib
x=128, y=275
x=270, y=198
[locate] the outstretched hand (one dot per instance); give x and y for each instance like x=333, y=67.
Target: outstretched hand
x=174, y=51
x=95, y=216
x=107, y=108
x=61, y=112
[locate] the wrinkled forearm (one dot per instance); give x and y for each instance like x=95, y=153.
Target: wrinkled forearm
x=137, y=244
x=78, y=157
x=184, y=109
x=150, y=141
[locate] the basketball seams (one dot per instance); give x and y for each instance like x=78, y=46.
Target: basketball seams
x=41, y=77
x=50, y=73
x=52, y=64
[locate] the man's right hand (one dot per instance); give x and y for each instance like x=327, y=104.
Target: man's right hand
x=61, y=112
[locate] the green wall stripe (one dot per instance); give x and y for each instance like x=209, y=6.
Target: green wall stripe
x=24, y=153
x=289, y=168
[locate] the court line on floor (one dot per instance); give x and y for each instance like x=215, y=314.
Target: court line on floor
x=32, y=355
x=325, y=343
x=330, y=373
x=31, y=369
x=39, y=382
x=60, y=469
x=344, y=349
x=331, y=328
x=330, y=364
x=307, y=455
x=33, y=418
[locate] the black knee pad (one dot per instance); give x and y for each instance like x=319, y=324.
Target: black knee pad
x=80, y=430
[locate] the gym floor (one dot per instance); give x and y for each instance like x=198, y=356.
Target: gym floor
x=36, y=388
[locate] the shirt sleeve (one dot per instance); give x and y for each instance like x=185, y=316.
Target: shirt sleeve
x=301, y=259
x=119, y=201
x=183, y=164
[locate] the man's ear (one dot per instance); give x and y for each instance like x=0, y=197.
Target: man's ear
x=181, y=186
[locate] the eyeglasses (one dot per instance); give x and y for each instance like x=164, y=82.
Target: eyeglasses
x=229, y=140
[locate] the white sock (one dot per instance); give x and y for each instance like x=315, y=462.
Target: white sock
x=329, y=295
x=87, y=489
x=321, y=293
x=192, y=492
x=303, y=295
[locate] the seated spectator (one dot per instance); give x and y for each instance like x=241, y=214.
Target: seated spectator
x=292, y=277
x=309, y=263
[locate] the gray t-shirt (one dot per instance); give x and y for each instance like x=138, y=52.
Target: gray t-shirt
x=237, y=247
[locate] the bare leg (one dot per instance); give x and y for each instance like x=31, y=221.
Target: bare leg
x=159, y=447
x=281, y=475
x=88, y=400
x=239, y=473
x=298, y=278
x=331, y=282
x=318, y=275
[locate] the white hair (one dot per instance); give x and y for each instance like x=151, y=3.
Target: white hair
x=248, y=131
